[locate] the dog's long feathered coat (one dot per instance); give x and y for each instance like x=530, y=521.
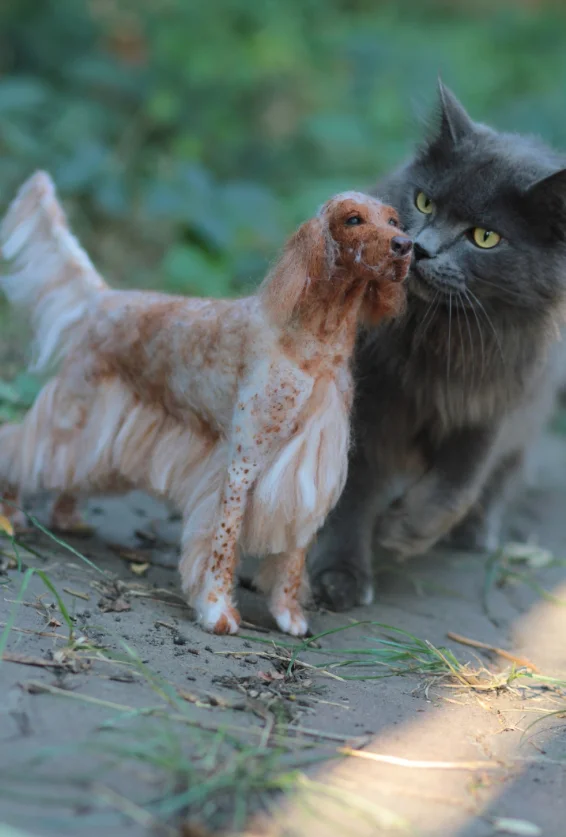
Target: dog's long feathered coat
x=236, y=411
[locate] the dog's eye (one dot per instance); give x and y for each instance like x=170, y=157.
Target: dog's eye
x=353, y=220
x=394, y=222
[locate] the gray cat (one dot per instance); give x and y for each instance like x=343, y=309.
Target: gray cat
x=450, y=397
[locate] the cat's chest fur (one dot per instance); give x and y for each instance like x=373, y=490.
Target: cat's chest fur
x=415, y=388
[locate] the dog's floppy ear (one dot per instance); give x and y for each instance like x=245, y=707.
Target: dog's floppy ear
x=305, y=260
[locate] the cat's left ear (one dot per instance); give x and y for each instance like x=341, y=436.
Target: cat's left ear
x=451, y=126
x=455, y=124
x=546, y=201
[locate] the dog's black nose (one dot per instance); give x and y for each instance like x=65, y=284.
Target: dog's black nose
x=420, y=251
x=401, y=245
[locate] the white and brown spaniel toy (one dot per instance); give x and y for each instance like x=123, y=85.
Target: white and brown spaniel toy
x=237, y=411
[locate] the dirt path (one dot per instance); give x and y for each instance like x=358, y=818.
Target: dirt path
x=127, y=740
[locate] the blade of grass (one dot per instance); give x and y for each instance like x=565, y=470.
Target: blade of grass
x=61, y=604
x=14, y=610
x=53, y=537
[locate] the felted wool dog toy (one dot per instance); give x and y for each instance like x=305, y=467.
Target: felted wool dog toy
x=237, y=411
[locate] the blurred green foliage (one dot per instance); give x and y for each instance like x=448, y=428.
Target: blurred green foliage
x=189, y=137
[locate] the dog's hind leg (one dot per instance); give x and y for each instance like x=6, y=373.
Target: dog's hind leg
x=10, y=496
x=66, y=516
x=283, y=578
x=42, y=453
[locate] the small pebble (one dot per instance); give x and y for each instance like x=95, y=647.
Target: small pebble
x=179, y=639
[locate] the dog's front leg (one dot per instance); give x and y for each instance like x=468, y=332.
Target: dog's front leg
x=212, y=593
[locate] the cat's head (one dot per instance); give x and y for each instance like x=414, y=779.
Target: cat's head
x=487, y=213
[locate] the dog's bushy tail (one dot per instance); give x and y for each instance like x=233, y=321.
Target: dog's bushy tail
x=52, y=277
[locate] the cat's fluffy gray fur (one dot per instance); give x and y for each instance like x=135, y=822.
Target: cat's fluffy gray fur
x=451, y=396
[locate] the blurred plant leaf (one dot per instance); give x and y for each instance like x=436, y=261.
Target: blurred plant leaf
x=189, y=271
x=174, y=131
x=21, y=94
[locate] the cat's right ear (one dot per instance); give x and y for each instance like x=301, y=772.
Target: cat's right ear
x=546, y=204
x=453, y=125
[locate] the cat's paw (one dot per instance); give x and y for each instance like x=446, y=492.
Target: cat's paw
x=341, y=590
x=400, y=534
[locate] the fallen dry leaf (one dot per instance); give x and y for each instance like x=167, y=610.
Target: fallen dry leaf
x=139, y=569
x=53, y=623
x=114, y=605
x=269, y=676
x=6, y=526
x=136, y=556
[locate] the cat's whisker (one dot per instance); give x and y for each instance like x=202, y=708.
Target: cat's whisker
x=459, y=307
x=490, y=323
x=480, y=331
x=501, y=289
x=449, y=337
x=472, y=352
x=428, y=318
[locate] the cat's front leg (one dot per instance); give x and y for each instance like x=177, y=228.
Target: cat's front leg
x=340, y=560
x=480, y=530
x=433, y=505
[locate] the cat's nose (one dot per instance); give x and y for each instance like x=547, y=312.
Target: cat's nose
x=420, y=251
x=400, y=246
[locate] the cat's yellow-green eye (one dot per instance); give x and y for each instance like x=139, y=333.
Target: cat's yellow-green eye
x=424, y=204
x=486, y=239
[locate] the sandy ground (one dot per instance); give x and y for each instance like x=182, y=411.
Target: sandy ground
x=522, y=771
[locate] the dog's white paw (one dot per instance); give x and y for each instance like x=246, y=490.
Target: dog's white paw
x=291, y=620
x=218, y=615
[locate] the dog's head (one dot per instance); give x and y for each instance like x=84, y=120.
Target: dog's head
x=353, y=244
